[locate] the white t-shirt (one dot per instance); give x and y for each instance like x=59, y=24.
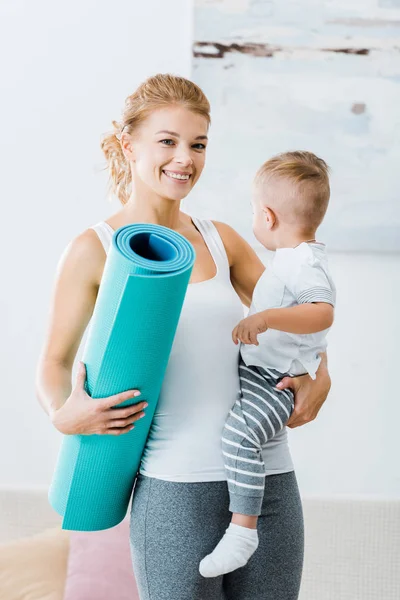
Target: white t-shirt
x=293, y=276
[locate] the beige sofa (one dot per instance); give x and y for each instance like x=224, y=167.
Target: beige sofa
x=352, y=549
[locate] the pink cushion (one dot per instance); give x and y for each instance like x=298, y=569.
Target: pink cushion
x=99, y=565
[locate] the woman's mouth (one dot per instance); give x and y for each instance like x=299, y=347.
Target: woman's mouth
x=178, y=176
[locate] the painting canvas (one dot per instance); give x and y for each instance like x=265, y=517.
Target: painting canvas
x=314, y=75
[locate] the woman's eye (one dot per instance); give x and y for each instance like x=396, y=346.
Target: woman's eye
x=199, y=146
x=167, y=142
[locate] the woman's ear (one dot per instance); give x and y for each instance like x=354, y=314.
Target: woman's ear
x=127, y=147
x=270, y=217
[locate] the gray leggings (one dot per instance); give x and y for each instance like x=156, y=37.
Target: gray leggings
x=174, y=525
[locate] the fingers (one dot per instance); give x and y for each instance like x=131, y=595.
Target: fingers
x=110, y=401
x=253, y=338
x=118, y=431
x=127, y=412
x=121, y=423
x=124, y=419
x=81, y=375
x=234, y=336
x=240, y=334
x=286, y=383
x=244, y=334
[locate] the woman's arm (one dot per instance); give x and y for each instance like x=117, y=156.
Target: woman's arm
x=73, y=299
x=246, y=269
x=75, y=291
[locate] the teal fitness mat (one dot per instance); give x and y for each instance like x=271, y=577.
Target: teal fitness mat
x=129, y=341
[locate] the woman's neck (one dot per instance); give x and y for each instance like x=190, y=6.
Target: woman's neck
x=160, y=211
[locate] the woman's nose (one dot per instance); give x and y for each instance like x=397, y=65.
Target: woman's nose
x=184, y=159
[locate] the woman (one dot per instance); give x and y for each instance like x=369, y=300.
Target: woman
x=180, y=505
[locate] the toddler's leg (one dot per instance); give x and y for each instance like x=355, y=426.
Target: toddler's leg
x=245, y=474
x=261, y=412
x=257, y=417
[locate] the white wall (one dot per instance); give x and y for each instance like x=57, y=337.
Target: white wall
x=67, y=72
x=352, y=448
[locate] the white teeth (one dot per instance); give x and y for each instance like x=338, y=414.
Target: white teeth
x=176, y=175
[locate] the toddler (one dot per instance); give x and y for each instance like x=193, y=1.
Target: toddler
x=290, y=315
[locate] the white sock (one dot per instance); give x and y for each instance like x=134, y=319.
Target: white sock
x=232, y=552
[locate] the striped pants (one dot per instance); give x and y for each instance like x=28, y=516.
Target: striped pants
x=259, y=414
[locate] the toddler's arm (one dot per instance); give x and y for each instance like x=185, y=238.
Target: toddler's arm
x=304, y=318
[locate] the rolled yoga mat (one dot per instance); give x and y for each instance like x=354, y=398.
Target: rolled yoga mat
x=133, y=325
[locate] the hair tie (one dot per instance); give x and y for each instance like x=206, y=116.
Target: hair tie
x=118, y=135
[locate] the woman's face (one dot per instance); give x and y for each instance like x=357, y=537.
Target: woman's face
x=169, y=151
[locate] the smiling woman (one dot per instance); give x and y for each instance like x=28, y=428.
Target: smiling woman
x=156, y=155
x=178, y=153
x=171, y=165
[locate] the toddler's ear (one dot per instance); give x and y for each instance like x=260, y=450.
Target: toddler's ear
x=270, y=217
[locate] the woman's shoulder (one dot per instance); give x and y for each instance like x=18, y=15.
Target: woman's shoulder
x=235, y=244
x=87, y=245
x=85, y=255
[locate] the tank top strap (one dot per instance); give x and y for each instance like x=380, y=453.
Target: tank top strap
x=206, y=227
x=213, y=241
x=105, y=233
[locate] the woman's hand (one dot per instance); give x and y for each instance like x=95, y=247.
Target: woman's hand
x=309, y=395
x=81, y=414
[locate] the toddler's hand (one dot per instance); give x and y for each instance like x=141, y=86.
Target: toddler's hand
x=248, y=329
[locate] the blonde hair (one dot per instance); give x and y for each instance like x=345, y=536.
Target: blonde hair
x=310, y=176
x=156, y=92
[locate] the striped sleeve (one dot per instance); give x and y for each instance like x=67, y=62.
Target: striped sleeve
x=316, y=294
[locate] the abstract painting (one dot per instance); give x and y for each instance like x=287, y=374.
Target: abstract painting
x=318, y=75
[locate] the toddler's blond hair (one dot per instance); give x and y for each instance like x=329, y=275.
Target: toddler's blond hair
x=309, y=174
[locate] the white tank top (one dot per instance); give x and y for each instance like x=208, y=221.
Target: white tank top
x=201, y=382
